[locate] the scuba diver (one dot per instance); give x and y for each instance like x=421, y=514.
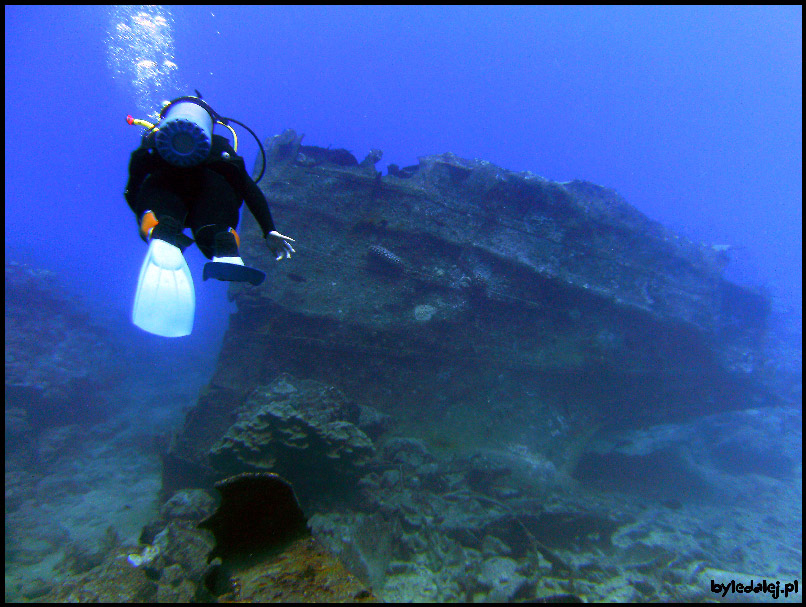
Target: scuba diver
x=184, y=176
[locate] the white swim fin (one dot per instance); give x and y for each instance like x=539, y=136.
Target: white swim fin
x=165, y=302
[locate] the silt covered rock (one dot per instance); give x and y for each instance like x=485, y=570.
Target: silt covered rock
x=302, y=430
x=479, y=305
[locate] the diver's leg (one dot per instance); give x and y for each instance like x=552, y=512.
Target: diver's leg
x=165, y=301
x=213, y=219
x=161, y=213
x=218, y=240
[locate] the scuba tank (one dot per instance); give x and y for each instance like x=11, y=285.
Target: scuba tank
x=184, y=134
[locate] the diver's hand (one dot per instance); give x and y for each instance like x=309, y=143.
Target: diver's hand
x=279, y=245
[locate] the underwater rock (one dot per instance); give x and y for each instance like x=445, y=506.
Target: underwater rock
x=373, y=423
x=562, y=288
x=663, y=474
x=406, y=450
x=547, y=310
x=36, y=589
x=188, y=504
x=710, y=456
x=372, y=158
x=175, y=587
x=19, y=435
x=303, y=430
x=259, y=514
x=57, y=361
x=303, y=573
x=424, y=312
x=311, y=155
x=500, y=574
x=114, y=581
x=364, y=544
x=182, y=543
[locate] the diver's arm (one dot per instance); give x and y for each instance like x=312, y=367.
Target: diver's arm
x=140, y=165
x=232, y=167
x=248, y=191
x=258, y=206
x=279, y=245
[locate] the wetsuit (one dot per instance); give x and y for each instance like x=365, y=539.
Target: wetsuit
x=205, y=198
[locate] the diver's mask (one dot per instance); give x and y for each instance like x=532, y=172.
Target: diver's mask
x=184, y=135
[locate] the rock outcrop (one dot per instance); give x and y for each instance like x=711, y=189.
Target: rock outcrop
x=58, y=363
x=481, y=306
x=302, y=432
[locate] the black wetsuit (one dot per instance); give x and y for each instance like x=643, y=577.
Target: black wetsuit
x=205, y=198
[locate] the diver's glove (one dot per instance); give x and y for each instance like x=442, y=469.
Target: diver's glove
x=279, y=245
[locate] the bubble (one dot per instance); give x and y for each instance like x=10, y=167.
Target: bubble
x=140, y=55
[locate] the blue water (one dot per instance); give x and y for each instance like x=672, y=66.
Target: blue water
x=692, y=114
